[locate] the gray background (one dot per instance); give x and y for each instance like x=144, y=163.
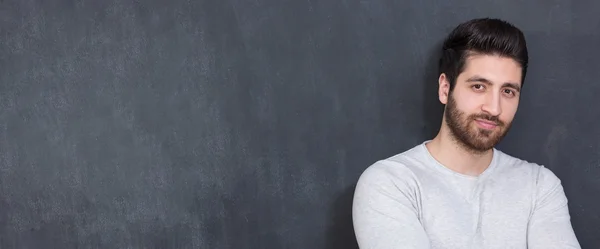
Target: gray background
x=245, y=124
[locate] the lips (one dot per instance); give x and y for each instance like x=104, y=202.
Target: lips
x=486, y=124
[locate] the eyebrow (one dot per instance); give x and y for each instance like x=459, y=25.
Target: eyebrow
x=488, y=82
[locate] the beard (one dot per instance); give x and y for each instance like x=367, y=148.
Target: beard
x=464, y=130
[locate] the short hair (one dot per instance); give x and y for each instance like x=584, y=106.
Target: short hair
x=482, y=36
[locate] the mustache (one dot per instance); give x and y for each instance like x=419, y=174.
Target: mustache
x=495, y=119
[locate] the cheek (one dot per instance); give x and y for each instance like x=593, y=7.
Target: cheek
x=508, y=111
x=473, y=106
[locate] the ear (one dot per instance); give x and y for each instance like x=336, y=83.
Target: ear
x=443, y=88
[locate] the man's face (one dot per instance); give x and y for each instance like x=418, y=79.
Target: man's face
x=483, y=103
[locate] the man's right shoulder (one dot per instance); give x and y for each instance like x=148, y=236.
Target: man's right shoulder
x=397, y=170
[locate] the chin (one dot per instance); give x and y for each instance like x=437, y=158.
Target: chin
x=485, y=139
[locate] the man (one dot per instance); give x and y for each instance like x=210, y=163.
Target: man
x=457, y=190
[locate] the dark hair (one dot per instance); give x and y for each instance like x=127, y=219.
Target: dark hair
x=482, y=36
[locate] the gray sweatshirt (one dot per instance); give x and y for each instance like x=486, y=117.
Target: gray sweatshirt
x=411, y=201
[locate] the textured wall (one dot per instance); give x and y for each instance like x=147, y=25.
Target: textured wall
x=245, y=124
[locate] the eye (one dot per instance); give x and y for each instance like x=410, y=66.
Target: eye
x=509, y=92
x=477, y=87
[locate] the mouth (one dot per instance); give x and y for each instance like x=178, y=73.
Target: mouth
x=486, y=124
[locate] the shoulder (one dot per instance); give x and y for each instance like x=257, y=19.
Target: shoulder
x=387, y=184
x=543, y=178
x=385, y=171
x=396, y=171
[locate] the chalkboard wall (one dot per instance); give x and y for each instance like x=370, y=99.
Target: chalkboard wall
x=245, y=124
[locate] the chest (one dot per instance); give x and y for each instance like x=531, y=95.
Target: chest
x=471, y=214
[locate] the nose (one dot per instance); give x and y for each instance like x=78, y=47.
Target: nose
x=492, y=105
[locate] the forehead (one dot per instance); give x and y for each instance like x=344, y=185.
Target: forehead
x=494, y=68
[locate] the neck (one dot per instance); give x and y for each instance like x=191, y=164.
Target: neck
x=456, y=157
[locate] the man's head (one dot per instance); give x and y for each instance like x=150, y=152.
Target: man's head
x=482, y=69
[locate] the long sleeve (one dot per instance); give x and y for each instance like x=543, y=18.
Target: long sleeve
x=385, y=211
x=550, y=224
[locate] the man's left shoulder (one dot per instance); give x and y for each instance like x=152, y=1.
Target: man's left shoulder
x=538, y=173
